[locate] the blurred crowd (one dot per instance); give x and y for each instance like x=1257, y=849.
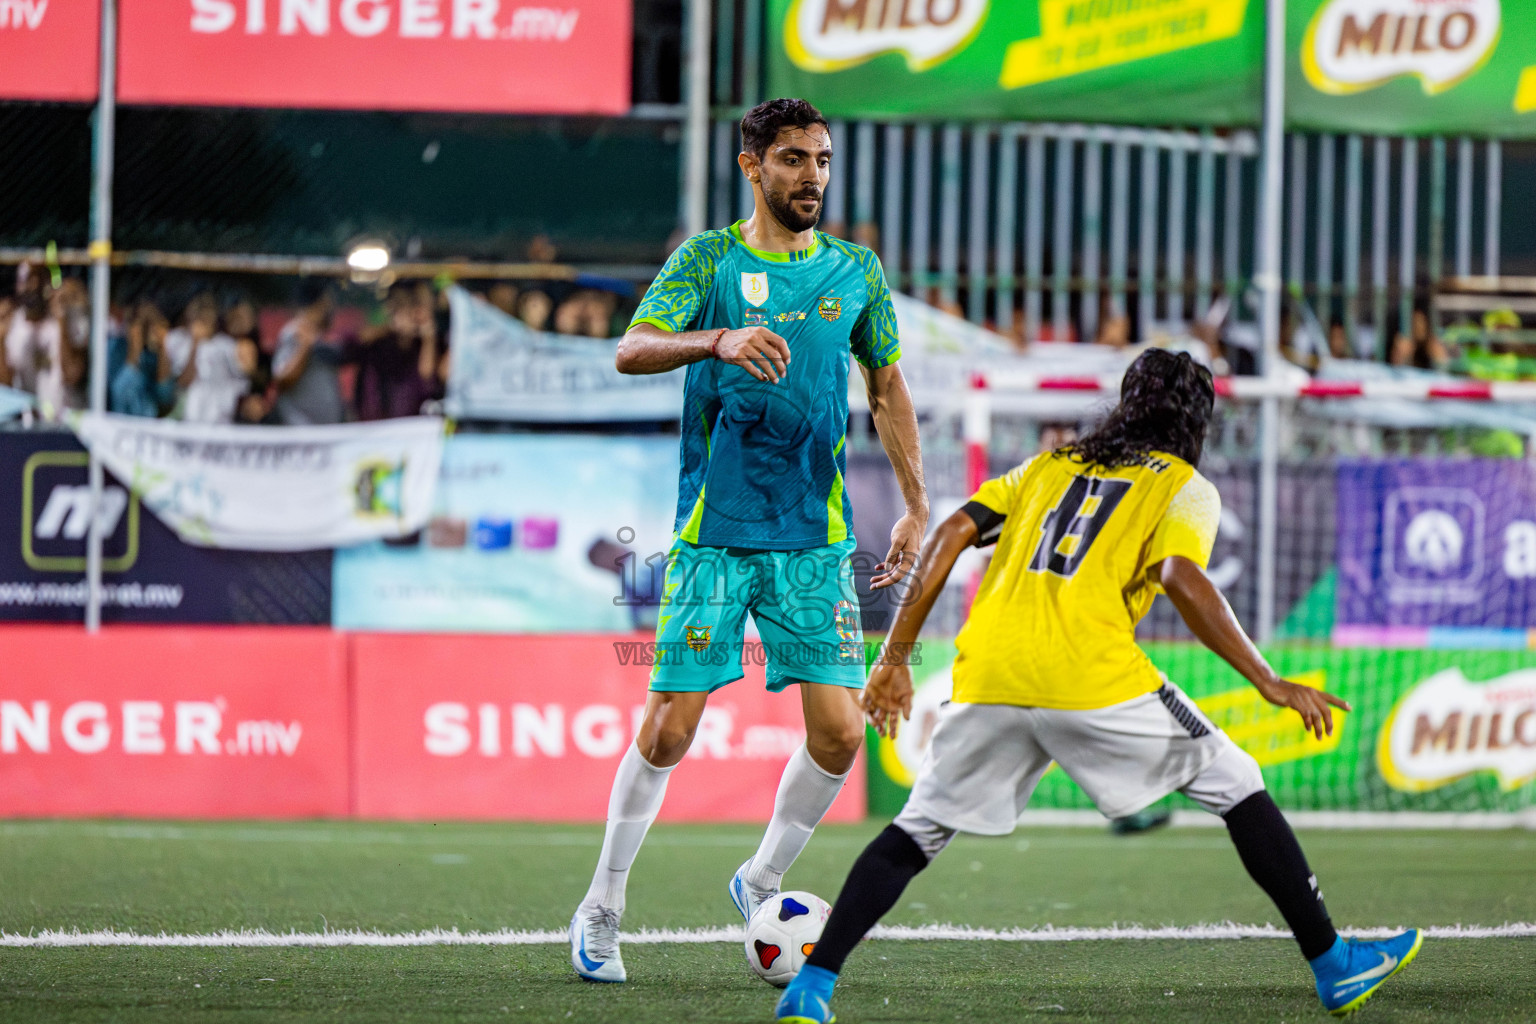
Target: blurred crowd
x=215, y=356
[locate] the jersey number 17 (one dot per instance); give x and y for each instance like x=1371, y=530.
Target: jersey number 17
x=1075, y=523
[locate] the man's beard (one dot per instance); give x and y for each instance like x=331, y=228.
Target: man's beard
x=780, y=204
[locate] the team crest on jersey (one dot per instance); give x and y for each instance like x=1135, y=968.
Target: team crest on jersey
x=754, y=288
x=698, y=637
x=753, y=318
x=830, y=307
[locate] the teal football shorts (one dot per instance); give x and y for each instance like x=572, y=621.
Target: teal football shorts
x=803, y=602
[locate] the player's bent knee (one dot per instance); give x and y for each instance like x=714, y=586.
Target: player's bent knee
x=1229, y=780
x=930, y=836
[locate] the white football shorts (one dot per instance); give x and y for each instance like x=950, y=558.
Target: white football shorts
x=985, y=759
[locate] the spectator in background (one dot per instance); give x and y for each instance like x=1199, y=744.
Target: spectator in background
x=503, y=295
x=141, y=381
x=398, y=368
x=240, y=323
x=199, y=323
x=220, y=374
x=1420, y=348
x=1338, y=341
x=41, y=355
x=534, y=307
x=588, y=312
x=7, y=310
x=304, y=366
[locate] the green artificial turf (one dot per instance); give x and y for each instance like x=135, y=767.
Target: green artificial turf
x=152, y=877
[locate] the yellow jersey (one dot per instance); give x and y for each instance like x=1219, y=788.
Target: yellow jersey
x=1053, y=624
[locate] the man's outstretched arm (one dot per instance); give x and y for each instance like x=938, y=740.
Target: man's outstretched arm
x=890, y=404
x=1210, y=618
x=646, y=348
x=887, y=697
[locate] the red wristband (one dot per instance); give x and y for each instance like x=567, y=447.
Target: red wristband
x=718, y=335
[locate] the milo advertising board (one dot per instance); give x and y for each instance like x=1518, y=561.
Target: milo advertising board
x=1420, y=66
x=1431, y=730
x=1376, y=66
x=1128, y=61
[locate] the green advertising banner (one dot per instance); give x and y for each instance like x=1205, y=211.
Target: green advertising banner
x=1431, y=730
x=1124, y=61
x=1378, y=66
x=1449, y=67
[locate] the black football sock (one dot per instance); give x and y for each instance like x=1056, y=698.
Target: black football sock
x=877, y=880
x=1273, y=857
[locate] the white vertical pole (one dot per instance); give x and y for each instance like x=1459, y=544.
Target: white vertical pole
x=696, y=132
x=1268, y=281
x=836, y=210
x=101, y=289
x=1178, y=230
x=1007, y=215
x=921, y=254
x=976, y=234
x=949, y=212
x=1093, y=229
x=1464, y=207
x=1494, y=213
x=1326, y=217
x=1119, y=224
x=1354, y=215
x=1034, y=234
x=891, y=197
x=1146, y=260
x=1061, y=243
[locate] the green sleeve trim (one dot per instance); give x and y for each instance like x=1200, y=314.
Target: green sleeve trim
x=885, y=360
x=656, y=322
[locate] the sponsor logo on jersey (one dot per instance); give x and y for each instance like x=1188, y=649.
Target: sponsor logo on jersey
x=754, y=288
x=830, y=307
x=1354, y=45
x=755, y=319
x=785, y=318
x=698, y=637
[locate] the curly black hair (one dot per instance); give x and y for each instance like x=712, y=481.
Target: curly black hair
x=1165, y=405
x=762, y=124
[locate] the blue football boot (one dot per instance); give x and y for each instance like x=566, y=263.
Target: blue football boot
x=808, y=999
x=1352, y=971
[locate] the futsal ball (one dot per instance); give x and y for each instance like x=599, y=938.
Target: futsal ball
x=782, y=934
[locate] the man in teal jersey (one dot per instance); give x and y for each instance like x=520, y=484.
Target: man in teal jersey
x=764, y=314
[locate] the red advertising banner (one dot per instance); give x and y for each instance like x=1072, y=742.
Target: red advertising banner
x=496, y=56
x=532, y=727
x=207, y=722
x=48, y=49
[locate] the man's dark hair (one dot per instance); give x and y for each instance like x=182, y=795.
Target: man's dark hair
x=762, y=124
x=1165, y=404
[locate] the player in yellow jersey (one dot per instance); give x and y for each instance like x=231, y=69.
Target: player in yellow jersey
x=1049, y=670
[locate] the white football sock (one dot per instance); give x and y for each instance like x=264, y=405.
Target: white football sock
x=638, y=789
x=805, y=794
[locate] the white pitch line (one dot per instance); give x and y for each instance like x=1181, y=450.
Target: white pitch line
x=55, y=938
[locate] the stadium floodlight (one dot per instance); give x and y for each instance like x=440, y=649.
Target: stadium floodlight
x=369, y=257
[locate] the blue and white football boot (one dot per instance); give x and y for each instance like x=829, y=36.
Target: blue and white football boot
x=595, y=943
x=808, y=999
x=747, y=896
x=1352, y=971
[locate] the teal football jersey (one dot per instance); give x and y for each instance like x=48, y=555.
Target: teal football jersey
x=762, y=464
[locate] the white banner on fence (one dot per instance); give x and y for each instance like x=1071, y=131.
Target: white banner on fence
x=502, y=370
x=274, y=488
